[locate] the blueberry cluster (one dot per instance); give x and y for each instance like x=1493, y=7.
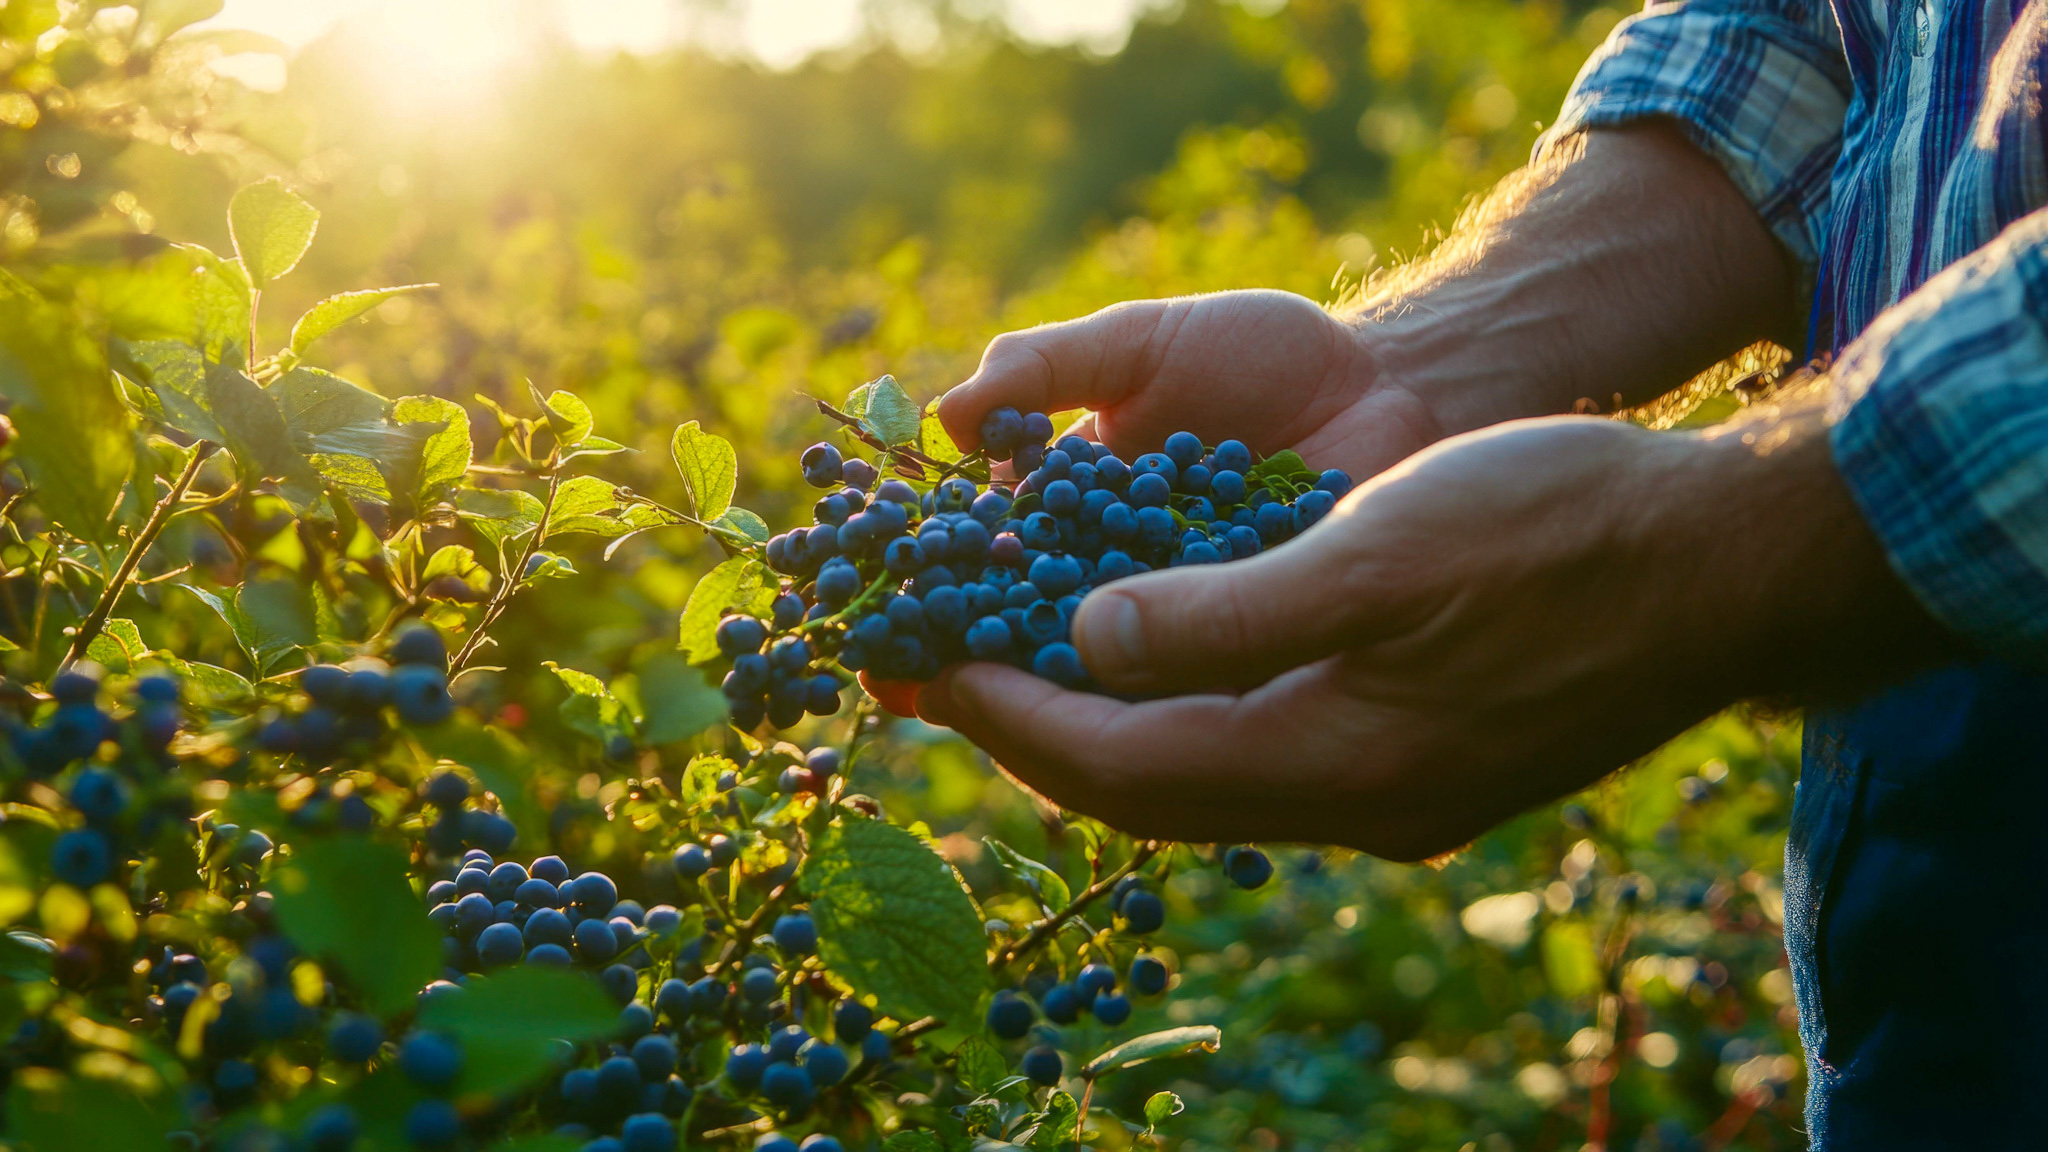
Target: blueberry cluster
x=901, y=583
x=345, y=705
x=495, y=914
x=128, y=793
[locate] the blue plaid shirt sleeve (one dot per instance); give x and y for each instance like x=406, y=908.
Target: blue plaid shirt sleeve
x=1942, y=435
x=1760, y=85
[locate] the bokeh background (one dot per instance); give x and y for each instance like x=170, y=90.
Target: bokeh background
x=709, y=209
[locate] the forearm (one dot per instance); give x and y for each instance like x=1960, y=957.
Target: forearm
x=1621, y=267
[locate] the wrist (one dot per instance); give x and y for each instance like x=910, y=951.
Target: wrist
x=1783, y=589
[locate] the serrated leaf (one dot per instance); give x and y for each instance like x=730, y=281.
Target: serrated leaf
x=1159, y=1107
x=741, y=583
x=1056, y=1125
x=507, y=1023
x=677, y=699
x=444, y=458
x=215, y=683
x=894, y=922
x=219, y=299
x=1153, y=1046
x=118, y=647
x=1049, y=886
x=889, y=413
x=978, y=1065
x=349, y=901
x=253, y=428
x=710, y=469
x=335, y=311
x=272, y=228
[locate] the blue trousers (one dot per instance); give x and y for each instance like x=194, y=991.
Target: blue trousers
x=1916, y=915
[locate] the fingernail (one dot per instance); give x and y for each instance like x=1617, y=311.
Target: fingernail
x=1115, y=634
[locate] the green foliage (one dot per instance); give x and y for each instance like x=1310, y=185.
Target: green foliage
x=351, y=902
x=272, y=227
x=508, y=1023
x=893, y=921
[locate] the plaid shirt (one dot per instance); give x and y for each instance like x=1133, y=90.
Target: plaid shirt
x=1898, y=150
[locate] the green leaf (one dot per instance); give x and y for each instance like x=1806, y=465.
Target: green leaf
x=710, y=468
x=499, y=515
x=252, y=427
x=220, y=300
x=25, y=956
x=118, y=647
x=1049, y=886
x=350, y=901
x=1159, y=1107
x=548, y=566
x=74, y=442
x=507, y=1024
x=216, y=684
x=272, y=227
x=588, y=504
x=889, y=412
x=741, y=583
x=460, y=562
x=157, y=19
x=1153, y=1046
x=348, y=433
x=270, y=618
x=444, y=458
x=979, y=1066
x=591, y=708
x=55, y=1113
x=934, y=441
x=568, y=416
x=894, y=922
x=1570, y=962
x=1284, y=471
x=501, y=762
x=1056, y=1125
x=335, y=311
x=745, y=523
x=912, y=1140
x=678, y=700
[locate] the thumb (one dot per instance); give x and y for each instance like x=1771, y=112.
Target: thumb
x=1091, y=362
x=1219, y=625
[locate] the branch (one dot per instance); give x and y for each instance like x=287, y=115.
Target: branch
x=958, y=467
x=1047, y=928
x=89, y=629
x=508, y=586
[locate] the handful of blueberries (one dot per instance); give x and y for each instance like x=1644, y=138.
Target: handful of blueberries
x=902, y=583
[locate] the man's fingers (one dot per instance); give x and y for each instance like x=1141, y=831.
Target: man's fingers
x=1085, y=363
x=1209, y=625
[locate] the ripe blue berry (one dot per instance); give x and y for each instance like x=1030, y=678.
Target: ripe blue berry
x=1247, y=867
x=647, y=1132
x=795, y=933
x=430, y=1059
x=549, y=956
x=758, y=985
x=788, y=1087
x=692, y=861
x=1061, y=664
x=420, y=693
x=332, y=1128
x=420, y=644
x=595, y=941
x=1002, y=429
x=852, y=1021
x=99, y=795
x=352, y=1037
x=1184, y=448
x=499, y=945
x=1096, y=978
x=1062, y=1004
x=1042, y=1065
x=826, y=1063
x=876, y=1047
x=745, y=1065
x=656, y=1056
x=82, y=858
x=775, y=1142
x=1148, y=976
x=433, y=1124
x=1143, y=912
x=1009, y=1015
x=819, y=1142
x=1112, y=1009
x=858, y=474
x=822, y=466
x=594, y=893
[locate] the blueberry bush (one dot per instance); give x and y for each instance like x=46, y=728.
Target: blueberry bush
x=464, y=765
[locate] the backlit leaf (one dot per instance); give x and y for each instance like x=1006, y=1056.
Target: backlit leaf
x=272, y=228
x=335, y=311
x=739, y=583
x=710, y=468
x=348, y=900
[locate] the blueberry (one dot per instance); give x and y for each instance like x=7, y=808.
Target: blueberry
x=795, y=933
x=988, y=638
x=858, y=474
x=447, y=790
x=819, y=1142
x=823, y=762
x=1149, y=491
x=1055, y=574
x=707, y=996
x=549, y=955
x=1194, y=481
x=1042, y=1065
x=499, y=945
x=368, y=690
x=550, y=869
x=1148, y=976
x=876, y=1047
x=656, y=1056
x=595, y=940
x=1247, y=867
x=692, y=861
x=1062, y=497
x=822, y=466
x=1335, y=481
x=826, y=1063
x=647, y=1132
x=1143, y=912
x=1009, y=1015
x=332, y=1128
x=1062, y=1004
x=430, y=1059
x=784, y=1043
x=99, y=795
x=1312, y=506
x=1041, y=532
x=433, y=1124
x=786, y=611
x=1096, y=978
x=548, y=926
x=775, y=1142
x=618, y=1085
x=74, y=687
x=420, y=693
x=903, y=556
x=1112, y=1009
x=788, y=1087
x=1060, y=663
x=793, y=780
x=353, y=1037
x=594, y=893
x=838, y=582
x=724, y=849
x=535, y=892
x=1002, y=429
x=758, y=985
x=745, y=1065
x=82, y=858
x=852, y=1021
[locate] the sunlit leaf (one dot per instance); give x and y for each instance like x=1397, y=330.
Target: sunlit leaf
x=710, y=469
x=348, y=900
x=568, y=416
x=677, y=699
x=1056, y=1125
x=1159, y=1107
x=444, y=458
x=74, y=442
x=890, y=413
x=507, y=1024
x=118, y=647
x=591, y=708
x=1048, y=885
x=335, y=311
x=272, y=228
x=1154, y=1046
x=588, y=504
x=739, y=583
x=499, y=514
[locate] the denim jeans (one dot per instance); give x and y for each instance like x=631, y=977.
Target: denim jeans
x=1916, y=915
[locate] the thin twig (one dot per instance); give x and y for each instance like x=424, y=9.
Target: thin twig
x=958, y=467
x=158, y=517
x=510, y=580
x=1045, y=930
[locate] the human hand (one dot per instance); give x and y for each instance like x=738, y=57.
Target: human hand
x=1271, y=369
x=1496, y=622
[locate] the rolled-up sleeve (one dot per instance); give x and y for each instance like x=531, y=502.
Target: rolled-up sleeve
x=1942, y=434
x=1760, y=85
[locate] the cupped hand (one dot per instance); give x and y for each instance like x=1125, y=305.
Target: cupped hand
x=1493, y=623
x=1269, y=368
